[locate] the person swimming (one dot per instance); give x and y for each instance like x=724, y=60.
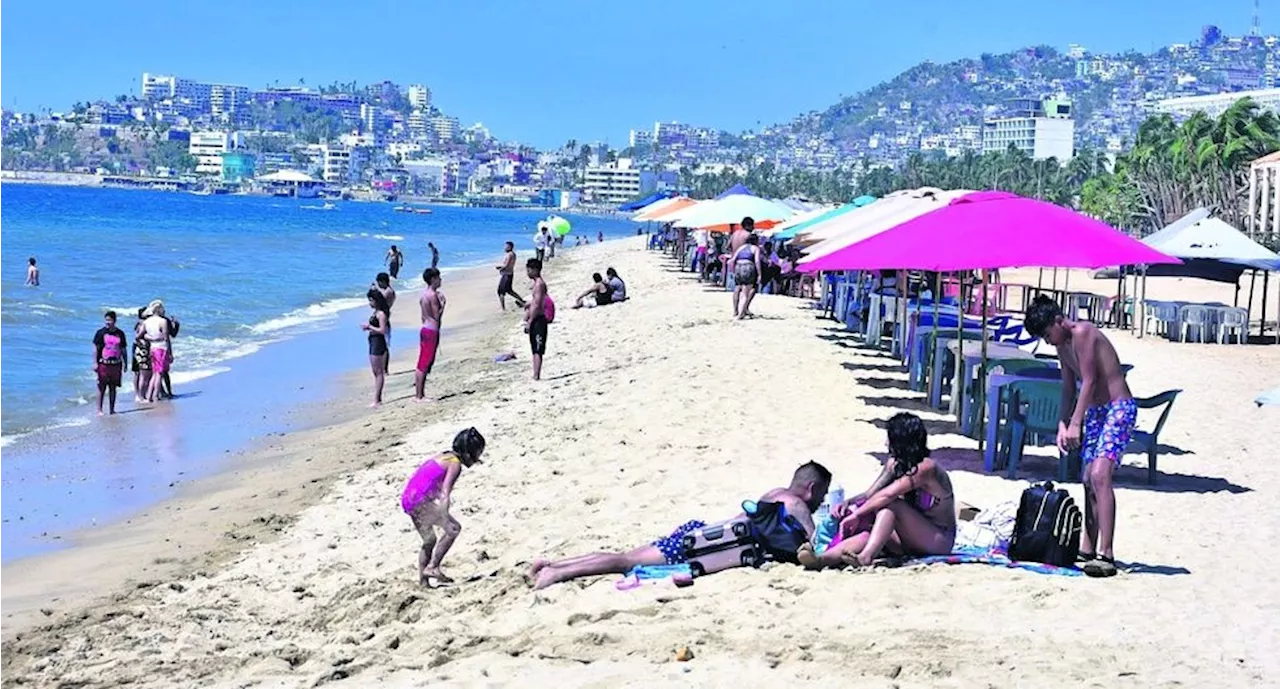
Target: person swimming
x=427, y=497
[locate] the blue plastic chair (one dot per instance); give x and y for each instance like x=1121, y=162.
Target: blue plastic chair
x=1034, y=407
x=1150, y=441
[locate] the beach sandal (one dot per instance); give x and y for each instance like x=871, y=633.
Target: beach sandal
x=1083, y=557
x=1100, y=567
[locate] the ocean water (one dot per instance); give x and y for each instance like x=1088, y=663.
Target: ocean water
x=240, y=273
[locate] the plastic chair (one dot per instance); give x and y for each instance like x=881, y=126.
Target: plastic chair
x=1233, y=320
x=1162, y=314
x=1149, y=441
x=977, y=398
x=1197, y=318
x=1034, y=407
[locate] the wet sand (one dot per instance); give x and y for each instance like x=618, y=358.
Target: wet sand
x=651, y=413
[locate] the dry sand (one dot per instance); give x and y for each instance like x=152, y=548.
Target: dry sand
x=651, y=413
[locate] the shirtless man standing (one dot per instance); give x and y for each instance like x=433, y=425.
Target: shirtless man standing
x=507, y=276
x=808, y=487
x=432, y=304
x=535, y=315
x=1100, y=423
x=33, y=273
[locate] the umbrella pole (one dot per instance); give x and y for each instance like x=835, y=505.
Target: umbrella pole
x=1040, y=279
x=982, y=368
x=1262, y=320
x=959, y=331
x=937, y=296
x=1253, y=279
x=1142, y=304
x=1120, y=302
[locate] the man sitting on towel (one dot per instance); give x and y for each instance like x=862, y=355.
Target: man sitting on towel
x=808, y=487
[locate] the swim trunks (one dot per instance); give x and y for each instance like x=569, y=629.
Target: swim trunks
x=538, y=335
x=141, y=355
x=428, y=344
x=159, y=360
x=505, y=284
x=672, y=546
x=394, y=269
x=744, y=273
x=1108, y=429
x=109, y=375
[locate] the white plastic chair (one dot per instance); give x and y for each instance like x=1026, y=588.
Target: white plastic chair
x=1233, y=320
x=1197, y=318
x=1162, y=314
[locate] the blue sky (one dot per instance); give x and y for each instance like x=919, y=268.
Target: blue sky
x=544, y=72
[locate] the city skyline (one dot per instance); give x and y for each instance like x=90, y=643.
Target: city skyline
x=504, y=73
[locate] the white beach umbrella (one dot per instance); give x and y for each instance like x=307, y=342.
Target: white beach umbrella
x=889, y=212
x=730, y=210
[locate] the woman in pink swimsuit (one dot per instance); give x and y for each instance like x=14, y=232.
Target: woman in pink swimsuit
x=426, y=500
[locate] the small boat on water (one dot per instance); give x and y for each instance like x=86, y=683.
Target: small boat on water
x=325, y=207
x=411, y=209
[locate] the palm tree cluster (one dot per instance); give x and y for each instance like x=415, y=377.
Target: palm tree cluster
x=830, y=186
x=1174, y=168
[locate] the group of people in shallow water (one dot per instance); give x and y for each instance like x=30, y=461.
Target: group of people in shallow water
x=909, y=509
x=152, y=356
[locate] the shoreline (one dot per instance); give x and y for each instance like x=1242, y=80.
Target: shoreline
x=650, y=413
x=124, y=544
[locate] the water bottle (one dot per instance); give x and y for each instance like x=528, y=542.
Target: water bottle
x=835, y=496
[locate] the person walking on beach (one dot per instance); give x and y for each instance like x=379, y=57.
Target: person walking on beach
x=540, y=244
x=432, y=305
x=599, y=237
x=156, y=329
x=427, y=498
x=801, y=498
x=376, y=327
x=537, y=316
x=1099, y=424
x=109, y=346
x=507, y=276
x=746, y=276
x=394, y=260
x=382, y=283
x=435, y=256
x=738, y=236
x=141, y=359
x=33, y=273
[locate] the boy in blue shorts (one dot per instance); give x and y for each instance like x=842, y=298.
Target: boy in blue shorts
x=1100, y=423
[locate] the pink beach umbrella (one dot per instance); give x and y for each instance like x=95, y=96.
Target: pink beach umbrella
x=993, y=229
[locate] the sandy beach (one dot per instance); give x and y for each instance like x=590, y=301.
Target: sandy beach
x=298, y=568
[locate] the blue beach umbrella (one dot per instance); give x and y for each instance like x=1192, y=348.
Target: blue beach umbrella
x=790, y=232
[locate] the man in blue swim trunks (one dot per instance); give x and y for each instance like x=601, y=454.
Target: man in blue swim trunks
x=808, y=487
x=1100, y=423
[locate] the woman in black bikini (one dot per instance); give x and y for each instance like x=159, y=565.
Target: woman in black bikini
x=377, y=329
x=910, y=506
x=600, y=290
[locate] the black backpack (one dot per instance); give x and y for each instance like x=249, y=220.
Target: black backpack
x=1047, y=528
x=778, y=533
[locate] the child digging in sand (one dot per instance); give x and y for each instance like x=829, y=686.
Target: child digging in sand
x=426, y=500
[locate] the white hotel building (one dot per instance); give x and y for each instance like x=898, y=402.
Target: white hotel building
x=1216, y=104
x=207, y=148
x=1045, y=130
x=612, y=182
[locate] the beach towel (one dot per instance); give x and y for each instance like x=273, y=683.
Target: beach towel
x=642, y=574
x=989, y=556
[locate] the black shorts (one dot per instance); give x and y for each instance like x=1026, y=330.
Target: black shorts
x=394, y=269
x=377, y=344
x=538, y=335
x=505, y=284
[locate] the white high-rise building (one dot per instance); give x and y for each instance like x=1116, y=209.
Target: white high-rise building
x=418, y=124
x=225, y=99
x=445, y=128
x=207, y=148
x=419, y=97
x=338, y=163
x=612, y=182
x=1046, y=130
x=158, y=86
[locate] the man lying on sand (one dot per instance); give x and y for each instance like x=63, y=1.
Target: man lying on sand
x=808, y=487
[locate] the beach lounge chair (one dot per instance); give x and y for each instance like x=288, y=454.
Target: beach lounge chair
x=1150, y=441
x=1034, y=407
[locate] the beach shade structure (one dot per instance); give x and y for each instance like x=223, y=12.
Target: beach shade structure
x=558, y=226
x=798, y=223
x=717, y=215
x=861, y=223
x=662, y=208
x=992, y=229
x=645, y=202
x=735, y=190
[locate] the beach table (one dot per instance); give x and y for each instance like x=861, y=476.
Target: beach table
x=941, y=344
x=972, y=356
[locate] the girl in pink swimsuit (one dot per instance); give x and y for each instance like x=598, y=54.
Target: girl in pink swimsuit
x=426, y=500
